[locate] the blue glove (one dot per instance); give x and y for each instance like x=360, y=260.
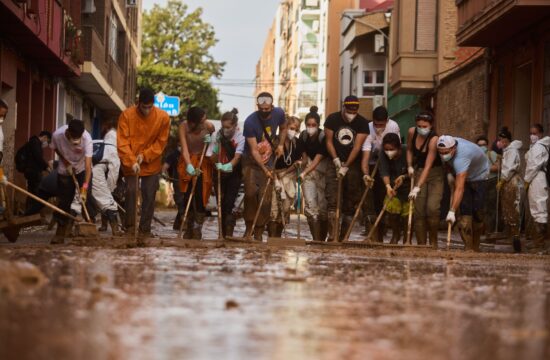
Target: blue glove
x=225, y=167
x=207, y=139
x=190, y=169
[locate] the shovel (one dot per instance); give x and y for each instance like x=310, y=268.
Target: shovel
x=84, y=228
x=220, y=230
x=336, y=230
x=411, y=209
x=257, y=215
x=84, y=208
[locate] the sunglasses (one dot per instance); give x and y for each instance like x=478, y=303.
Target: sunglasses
x=424, y=117
x=263, y=100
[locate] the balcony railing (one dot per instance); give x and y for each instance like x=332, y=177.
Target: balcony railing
x=311, y=4
x=309, y=50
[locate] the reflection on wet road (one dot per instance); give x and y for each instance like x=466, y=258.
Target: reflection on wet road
x=236, y=302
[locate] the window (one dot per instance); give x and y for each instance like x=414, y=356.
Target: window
x=353, y=84
x=426, y=25
x=113, y=37
x=373, y=82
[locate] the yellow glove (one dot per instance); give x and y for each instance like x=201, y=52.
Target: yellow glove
x=84, y=192
x=500, y=183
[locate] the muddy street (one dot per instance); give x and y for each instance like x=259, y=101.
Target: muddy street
x=238, y=301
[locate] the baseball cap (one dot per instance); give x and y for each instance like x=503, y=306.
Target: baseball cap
x=351, y=102
x=446, y=142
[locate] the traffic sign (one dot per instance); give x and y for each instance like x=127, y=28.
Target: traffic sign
x=170, y=104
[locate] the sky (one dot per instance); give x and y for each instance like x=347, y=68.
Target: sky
x=241, y=27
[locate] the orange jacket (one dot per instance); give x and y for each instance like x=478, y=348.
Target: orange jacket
x=138, y=135
x=207, y=176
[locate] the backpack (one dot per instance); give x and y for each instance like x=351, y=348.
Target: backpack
x=21, y=158
x=98, y=151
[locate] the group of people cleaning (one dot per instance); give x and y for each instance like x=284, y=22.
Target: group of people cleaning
x=329, y=169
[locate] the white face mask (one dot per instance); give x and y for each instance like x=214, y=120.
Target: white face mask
x=311, y=131
x=76, y=142
x=534, y=138
x=391, y=154
x=228, y=132
x=1, y=120
x=44, y=144
x=379, y=131
x=291, y=134
x=350, y=117
x=423, y=131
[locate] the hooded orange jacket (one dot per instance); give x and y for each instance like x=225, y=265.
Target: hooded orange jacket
x=138, y=135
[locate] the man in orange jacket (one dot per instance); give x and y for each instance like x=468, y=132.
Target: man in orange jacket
x=142, y=135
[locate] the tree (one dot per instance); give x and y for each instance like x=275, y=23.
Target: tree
x=175, y=38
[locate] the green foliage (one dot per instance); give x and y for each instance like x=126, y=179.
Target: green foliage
x=175, y=38
x=193, y=90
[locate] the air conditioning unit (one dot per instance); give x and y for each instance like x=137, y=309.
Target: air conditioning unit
x=89, y=7
x=379, y=44
x=131, y=3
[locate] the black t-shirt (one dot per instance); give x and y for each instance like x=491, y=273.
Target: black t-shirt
x=313, y=146
x=292, y=154
x=345, y=133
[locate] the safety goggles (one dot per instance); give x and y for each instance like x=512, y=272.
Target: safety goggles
x=265, y=100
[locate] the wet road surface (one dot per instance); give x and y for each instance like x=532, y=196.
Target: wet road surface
x=234, y=301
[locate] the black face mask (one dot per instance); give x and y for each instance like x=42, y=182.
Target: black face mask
x=264, y=114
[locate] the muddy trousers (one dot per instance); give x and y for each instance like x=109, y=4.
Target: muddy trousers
x=512, y=196
x=352, y=188
x=427, y=206
x=472, y=215
x=230, y=184
x=197, y=211
x=66, y=197
x=149, y=186
x=315, y=201
x=255, y=182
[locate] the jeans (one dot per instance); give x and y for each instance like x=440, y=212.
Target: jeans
x=149, y=187
x=65, y=197
x=255, y=182
x=352, y=189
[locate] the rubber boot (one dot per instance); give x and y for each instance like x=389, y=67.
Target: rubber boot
x=188, y=233
x=346, y=223
x=272, y=229
x=280, y=229
x=197, y=226
x=538, y=238
x=248, y=228
x=315, y=228
x=393, y=222
x=477, y=230
x=433, y=230
x=177, y=222
x=330, y=226
x=104, y=223
x=420, y=231
x=114, y=226
x=258, y=233
x=228, y=225
x=59, y=237
x=323, y=230
x=465, y=225
x=405, y=227
x=381, y=230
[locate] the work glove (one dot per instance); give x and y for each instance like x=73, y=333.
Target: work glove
x=136, y=168
x=4, y=180
x=369, y=181
x=69, y=169
x=390, y=191
x=399, y=181
x=451, y=180
x=343, y=171
x=227, y=168
x=190, y=170
x=84, y=194
x=500, y=183
x=164, y=175
x=302, y=176
x=414, y=193
x=278, y=186
x=338, y=163
x=451, y=217
x=410, y=171
x=207, y=139
x=139, y=159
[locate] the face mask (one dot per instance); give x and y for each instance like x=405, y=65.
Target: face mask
x=291, y=134
x=76, y=142
x=500, y=145
x=484, y=148
x=264, y=114
x=391, y=154
x=1, y=120
x=145, y=113
x=179, y=148
x=423, y=131
x=228, y=132
x=350, y=117
x=311, y=131
x=534, y=138
x=44, y=144
x=379, y=131
x=447, y=157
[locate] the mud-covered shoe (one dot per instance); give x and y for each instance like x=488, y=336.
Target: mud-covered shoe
x=258, y=233
x=59, y=237
x=114, y=227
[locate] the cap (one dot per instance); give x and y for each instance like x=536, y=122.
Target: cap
x=351, y=102
x=446, y=142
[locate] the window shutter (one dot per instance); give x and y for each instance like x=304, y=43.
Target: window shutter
x=426, y=25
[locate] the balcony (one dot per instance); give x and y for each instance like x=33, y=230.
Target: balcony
x=309, y=54
x=310, y=10
x=489, y=23
x=306, y=99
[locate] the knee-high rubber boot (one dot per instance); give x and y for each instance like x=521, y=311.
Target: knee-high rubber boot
x=380, y=231
x=420, y=231
x=433, y=230
x=330, y=225
x=314, y=228
x=228, y=225
x=346, y=223
x=404, y=222
x=394, y=221
x=188, y=233
x=477, y=230
x=197, y=226
x=104, y=223
x=272, y=229
x=465, y=226
x=59, y=237
x=538, y=238
x=323, y=229
x=258, y=233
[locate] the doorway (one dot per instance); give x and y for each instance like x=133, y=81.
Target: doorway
x=523, y=78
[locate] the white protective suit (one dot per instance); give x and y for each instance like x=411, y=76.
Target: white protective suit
x=512, y=191
x=511, y=160
x=537, y=159
x=105, y=174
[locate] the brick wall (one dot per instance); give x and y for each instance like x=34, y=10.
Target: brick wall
x=461, y=102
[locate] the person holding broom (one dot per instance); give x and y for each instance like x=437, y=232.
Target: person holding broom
x=425, y=166
x=195, y=134
x=227, y=152
x=142, y=135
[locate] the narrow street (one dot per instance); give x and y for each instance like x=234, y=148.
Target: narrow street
x=211, y=300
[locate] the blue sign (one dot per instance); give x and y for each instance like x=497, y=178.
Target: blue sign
x=170, y=104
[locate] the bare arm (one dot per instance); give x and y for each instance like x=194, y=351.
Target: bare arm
x=253, y=144
x=365, y=162
x=88, y=174
x=410, y=147
x=330, y=143
x=432, y=153
x=460, y=182
x=356, y=149
x=313, y=165
x=236, y=160
x=183, y=141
